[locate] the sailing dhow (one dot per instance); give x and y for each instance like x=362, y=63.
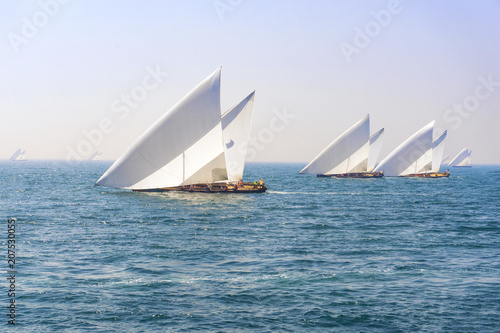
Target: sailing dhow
x=18, y=155
x=418, y=156
x=352, y=155
x=462, y=159
x=96, y=156
x=190, y=147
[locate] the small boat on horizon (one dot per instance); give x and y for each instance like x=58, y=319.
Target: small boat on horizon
x=462, y=159
x=351, y=155
x=18, y=156
x=191, y=148
x=419, y=156
x=96, y=156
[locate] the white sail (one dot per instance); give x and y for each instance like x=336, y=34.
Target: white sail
x=422, y=165
x=411, y=156
x=431, y=160
x=348, y=153
x=236, y=125
x=18, y=155
x=96, y=156
x=466, y=161
x=446, y=160
x=376, y=141
x=183, y=147
x=438, y=151
x=462, y=159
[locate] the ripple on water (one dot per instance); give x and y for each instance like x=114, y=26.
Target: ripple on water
x=310, y=255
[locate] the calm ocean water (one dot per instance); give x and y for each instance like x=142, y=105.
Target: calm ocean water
x=311, y=255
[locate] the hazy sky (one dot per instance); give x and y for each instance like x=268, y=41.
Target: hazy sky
x=80, y=76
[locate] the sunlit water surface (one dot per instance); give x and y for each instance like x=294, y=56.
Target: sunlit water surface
x=311, y=254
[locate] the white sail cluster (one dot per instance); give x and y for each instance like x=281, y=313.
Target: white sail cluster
x=191, y=143
x=419, y=154
x=462, y=159
x=356, y=152
x=18, y=155
x=353, y=151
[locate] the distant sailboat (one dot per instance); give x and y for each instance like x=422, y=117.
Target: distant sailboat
x=353, y=154
x=462, y=159
x=18, y=155
x=418, y=156
x=189, y=148
x=95, y=156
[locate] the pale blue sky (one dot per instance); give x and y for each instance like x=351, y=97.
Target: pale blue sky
x=65, y=77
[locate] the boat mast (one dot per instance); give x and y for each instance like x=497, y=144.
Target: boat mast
x=183, y=166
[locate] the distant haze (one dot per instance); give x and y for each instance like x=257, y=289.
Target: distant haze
x=85, y=76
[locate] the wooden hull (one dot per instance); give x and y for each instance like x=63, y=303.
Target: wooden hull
x=429, y=175
x=355, y=175
x=213, y=188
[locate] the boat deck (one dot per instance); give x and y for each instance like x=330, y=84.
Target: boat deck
x=245, y=187
x=429, y=175
x=354, y=175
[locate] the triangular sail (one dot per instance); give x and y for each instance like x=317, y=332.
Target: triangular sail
x=466, y=161
x=348, y=153
x=438, y=151
x=183, y=147
x=236, y=125
x=410, y=156
x=462, y=159
x=431, y=160
x=376, y=142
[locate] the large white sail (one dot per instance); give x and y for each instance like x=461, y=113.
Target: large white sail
x=438, y=151
x=18, y=155
x=183, y=147
x=462, y=159
x=411, y=156
x=431, y=160
x=348, y=153
x=236, y=125
x=376, y=141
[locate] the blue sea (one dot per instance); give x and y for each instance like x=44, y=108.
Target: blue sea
x=310, y=255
